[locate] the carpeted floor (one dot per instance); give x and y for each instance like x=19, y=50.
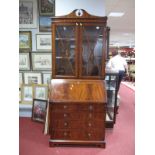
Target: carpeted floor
x=119, y=141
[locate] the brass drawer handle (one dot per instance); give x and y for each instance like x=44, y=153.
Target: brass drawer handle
x=89, y=135
x=90, y=115
x=65, y=134
x=89, y=124
x=65, y=115
x=90, y=107
x=65, y=124
x=65, y=106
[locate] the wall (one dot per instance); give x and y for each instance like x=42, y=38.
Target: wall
x=62, y=7
x=94, y=7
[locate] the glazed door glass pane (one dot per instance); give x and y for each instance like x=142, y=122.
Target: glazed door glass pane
x=65, y=50
x=92, y=50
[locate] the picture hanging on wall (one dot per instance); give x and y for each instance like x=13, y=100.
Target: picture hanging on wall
x=44, y=24
x=20, y=96
x=24, y=61
x=32, y=78
x=20, y=79
x=46, y=78
x=41, y=61
x=41, y=92
x=39, y=110
x=43, y=42
x=27, y=93
x=28, y=14
x=47, y=7
x=25, y=41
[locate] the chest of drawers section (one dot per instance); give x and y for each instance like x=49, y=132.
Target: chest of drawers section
x=77, y=123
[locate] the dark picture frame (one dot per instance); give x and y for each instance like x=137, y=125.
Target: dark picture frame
x=47, y=7
x=44, y=24
x=39, y=110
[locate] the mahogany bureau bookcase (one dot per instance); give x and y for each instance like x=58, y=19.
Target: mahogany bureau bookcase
x=77, y=112
x=78, y=95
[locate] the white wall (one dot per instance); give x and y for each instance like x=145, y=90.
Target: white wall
x=94, y=7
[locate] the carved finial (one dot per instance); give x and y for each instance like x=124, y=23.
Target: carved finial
x=79, y=12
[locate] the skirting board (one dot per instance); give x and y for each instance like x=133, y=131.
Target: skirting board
x=25, y=110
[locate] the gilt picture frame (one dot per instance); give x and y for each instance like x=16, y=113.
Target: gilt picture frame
x=25, y=41
x=20, y=79
x=27, y=94
x=41, y=91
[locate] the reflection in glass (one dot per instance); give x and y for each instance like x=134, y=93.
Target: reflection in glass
x=65, y=50
x=92, y=45
x=111, y=87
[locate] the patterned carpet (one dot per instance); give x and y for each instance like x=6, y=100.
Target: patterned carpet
x=119, y=141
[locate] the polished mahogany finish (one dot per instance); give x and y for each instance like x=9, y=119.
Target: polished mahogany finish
x=79, y=46
x=77, y=92
x=77, y=112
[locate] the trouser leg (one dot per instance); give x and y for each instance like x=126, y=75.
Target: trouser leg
x=120, y=77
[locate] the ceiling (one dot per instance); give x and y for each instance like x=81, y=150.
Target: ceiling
x=122, y=29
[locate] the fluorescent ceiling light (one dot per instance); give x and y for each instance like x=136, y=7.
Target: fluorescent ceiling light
x=126, y=34
x=116, y=14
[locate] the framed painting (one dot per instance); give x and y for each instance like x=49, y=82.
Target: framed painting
x=44, y=24
x=20, y=96
x=46, y=78
x=41, y=92
x=24, y=61
x=25, y=41
x=28, y=14
x=43, y=42
x=32, y=78
x=47, y=7
x=27, y=94
x=41, y=61
x=39, y=110
x=20, y=79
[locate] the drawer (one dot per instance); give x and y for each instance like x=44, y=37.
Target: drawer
x=63, y=107
x=78, y=107
x=92, y=107
x=82, y=115
x=78, y=134
x=79, y=124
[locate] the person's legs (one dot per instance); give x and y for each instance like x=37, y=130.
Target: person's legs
x=120, y=77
